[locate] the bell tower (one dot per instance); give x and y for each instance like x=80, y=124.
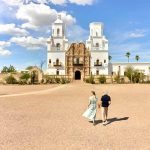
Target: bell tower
x=98, y=46
x=57, y=45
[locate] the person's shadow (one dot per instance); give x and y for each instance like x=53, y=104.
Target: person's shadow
x=111, y=120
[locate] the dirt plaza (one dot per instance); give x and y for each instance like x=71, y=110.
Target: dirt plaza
x=49, y=117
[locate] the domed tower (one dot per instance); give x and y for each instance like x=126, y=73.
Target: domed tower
x=57, y=45
x=98, y=46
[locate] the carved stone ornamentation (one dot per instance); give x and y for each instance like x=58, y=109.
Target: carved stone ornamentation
x=78, y=61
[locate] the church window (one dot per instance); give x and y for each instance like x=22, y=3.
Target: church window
x=103, y=44
x=96, y=33
x=57, y=61
x=97, y=44
x=104, y=60
x=50, y=61
x=58, y=32
x=77, y=60
x=97, y=72
x=91, y=31
x=57, y=72
x=97, y=61
x=58, y=46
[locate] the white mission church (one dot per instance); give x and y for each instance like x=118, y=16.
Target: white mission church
x=78, y=60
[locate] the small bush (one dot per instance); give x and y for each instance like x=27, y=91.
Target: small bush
x=57, y=80
x=87, y=80
x=11, y=80
x=90, y=79
x=102, y=79
x=22, y=82
x=25, y=76
x=64, y=81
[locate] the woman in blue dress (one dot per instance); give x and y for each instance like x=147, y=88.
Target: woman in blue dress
x=90, y=113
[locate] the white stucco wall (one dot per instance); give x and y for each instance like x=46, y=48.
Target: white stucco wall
x=53, y=56
x=144, y=67
x=101, y=56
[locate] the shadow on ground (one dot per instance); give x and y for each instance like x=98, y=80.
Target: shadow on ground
x=111, y=120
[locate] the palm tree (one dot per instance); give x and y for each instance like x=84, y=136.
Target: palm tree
x=137, y=57
x=128, y=55
x=109, y=57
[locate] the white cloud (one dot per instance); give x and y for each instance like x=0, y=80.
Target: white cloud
x=29, y=42
x=35, y=19
x=67, y=18
x=4, y=43
x=82, y=2
x=13, y=2
x=4, y=52
x=77, y=33
x=136, y=35
x=56, y=2
x=11, y=29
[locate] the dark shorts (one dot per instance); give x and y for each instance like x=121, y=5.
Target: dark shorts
x=105, y=105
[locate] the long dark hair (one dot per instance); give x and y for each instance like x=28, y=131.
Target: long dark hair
x=93, y=92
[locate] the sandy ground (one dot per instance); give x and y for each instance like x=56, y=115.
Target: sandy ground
x=52, y=120
x=15, y=89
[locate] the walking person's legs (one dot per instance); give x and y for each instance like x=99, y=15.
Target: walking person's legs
x=106, y=113
x=103, y=114
x=94, y=120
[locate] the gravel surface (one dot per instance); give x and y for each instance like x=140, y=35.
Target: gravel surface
x=52, y=120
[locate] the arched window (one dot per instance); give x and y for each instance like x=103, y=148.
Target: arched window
x=97, y=72
x=91, y=31
x=97, y=61
x=57, y=72
x=96, y=33
x=97, y=44
x=58, y=32
x=50, y=61
x=58, y=46
x=57, y=61
x=77, y=60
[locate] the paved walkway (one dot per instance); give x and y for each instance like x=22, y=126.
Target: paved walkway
x=52, y=119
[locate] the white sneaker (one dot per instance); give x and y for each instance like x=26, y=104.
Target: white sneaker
x=103, y=123
x=106, y=122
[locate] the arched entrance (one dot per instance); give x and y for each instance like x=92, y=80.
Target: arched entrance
x=34, y=77
x=77, y=75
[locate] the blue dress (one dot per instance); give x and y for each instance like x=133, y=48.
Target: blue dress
x=90, y=113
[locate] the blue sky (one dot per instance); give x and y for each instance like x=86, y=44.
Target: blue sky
x=24, y=28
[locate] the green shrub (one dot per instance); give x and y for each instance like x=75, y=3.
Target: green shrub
x=138, y=76
x=129, y=73
x=87, y=80
x=25, y=76
x=134, y=76
x=90, y=79
x=64, y=81
x=11, y=80
x=117, y=78
x=102, y=79
x=22, y=82
x=57, y=80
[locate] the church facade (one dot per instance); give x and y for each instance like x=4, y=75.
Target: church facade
x=77, y=60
